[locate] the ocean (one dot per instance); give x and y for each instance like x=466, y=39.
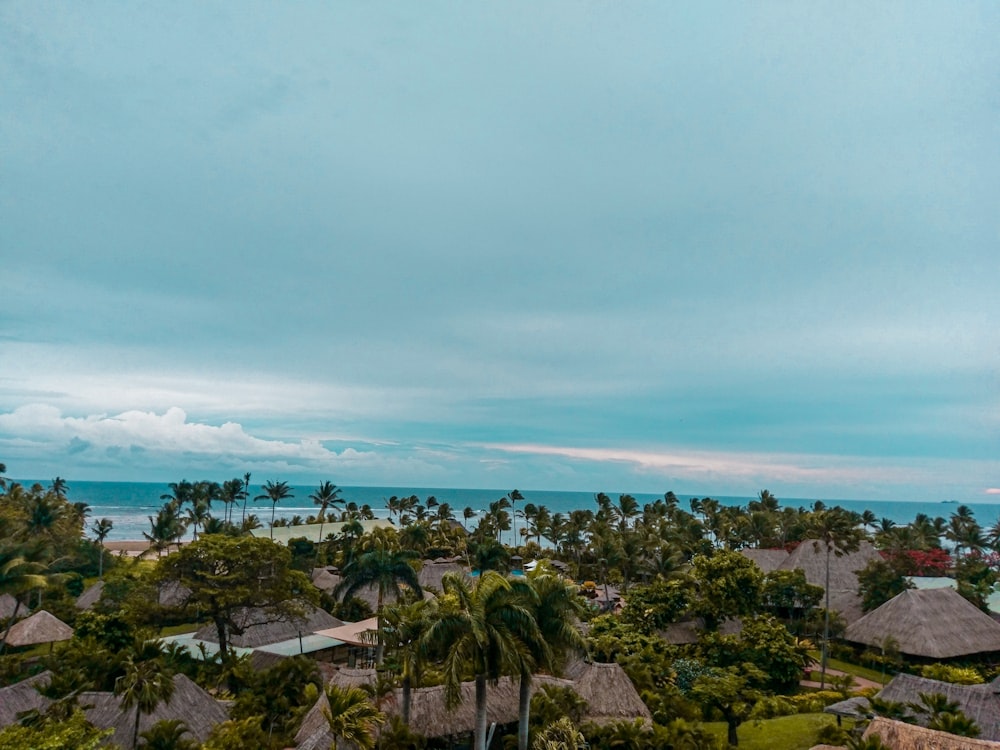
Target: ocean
x=130, y=504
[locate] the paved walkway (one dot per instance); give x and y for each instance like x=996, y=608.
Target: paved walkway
x=859, y=682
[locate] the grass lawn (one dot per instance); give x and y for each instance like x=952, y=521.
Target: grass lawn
x=188, y=627
x=797, y=732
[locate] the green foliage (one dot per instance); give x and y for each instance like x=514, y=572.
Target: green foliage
x=727, y=584
x=879, y=581
x=280, y=696
x=788, y=595
x=225, y=575
x=352, y=717
x=74, y=733
x=561, y=734
x=167, y=734
x=976, y=580
x=763, y=642
x=731, y=693
x=951, y=673
x=239, y=735
x=110, y=631
x=654, y=606
x=552, y=702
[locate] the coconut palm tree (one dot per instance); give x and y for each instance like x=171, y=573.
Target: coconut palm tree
x=482, y=629
x=275, y=492
x=231, y=492
x=326, y=495
x=352, y=717
x=246, y=494
x=101, y=530
x=557, y=607
x=22, y=570
x=385, y=569
x=838, y=532
x=144, y=685
x=406, y=625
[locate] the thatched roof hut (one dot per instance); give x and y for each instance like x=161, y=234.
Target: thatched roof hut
x=766, y=559
x=897, y=735
x=609, y=692
x=189, y=703
x=326, y=579
x=430, y=574
x=41, y=627
x=934, y=623
x=979, y=702
x=346, y=677
x=689, y=631
x=23, y=696
x=90, y=596
x=314, y=732
x=810, y=558
x=261, y=628
x=7, y=606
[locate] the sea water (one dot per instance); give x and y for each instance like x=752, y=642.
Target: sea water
x=129, y=505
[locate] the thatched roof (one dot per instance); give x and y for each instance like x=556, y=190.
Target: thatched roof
x=430, y=575
x=810, y=557
x=978, y=702
x=936, y=623
x=689, y=631
x=91, y=596
x=314, y=732
x=858, y=707
x=766, y=559
x=345, y=677
x=609, y=692
x=21, y=697
x=7, y=605
x=173, y=594
x=189, y=703
x=261, y=628
x=899, y=736
x=326, y=579
x=41, y=627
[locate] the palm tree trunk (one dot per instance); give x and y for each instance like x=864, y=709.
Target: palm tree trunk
x=13, y=619
x=479, y=741
x=406, y=701
x=523, y=710
x=135, y=731
x=826, y=625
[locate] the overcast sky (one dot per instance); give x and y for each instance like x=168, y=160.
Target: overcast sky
x=706, y=247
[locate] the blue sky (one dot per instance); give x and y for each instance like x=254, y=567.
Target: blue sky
x=707, y=247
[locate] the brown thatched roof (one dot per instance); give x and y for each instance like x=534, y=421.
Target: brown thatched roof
x=432, y=572
x=261, y=628
x=345, y=677
x=766, y=559
x=978, y=702
x=326, y=579
x=91, y=596
x=899, y=736
x=810, y=557
x=23, y=696
x=189, y=703
x=41, y=627
x=609, y=692
x=7, y=606
x=314, y=732
x=689, y=631
x=936, y=623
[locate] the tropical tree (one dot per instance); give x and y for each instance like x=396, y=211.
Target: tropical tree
x=405, y=628
x=275, y=492
x=836, y=531
x=22, y=569
x=223, y=575
x=326, y=495
x=352, y=717
x=101, y=530
x=168, y=734
x=145, y=686
x=557, y=608
x=483, y=629
x=385, y=569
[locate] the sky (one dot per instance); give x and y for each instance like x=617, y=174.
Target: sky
x=707, y=247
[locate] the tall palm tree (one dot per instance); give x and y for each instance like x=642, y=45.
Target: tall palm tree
x=144, y=685
x=385, y=569
x=22, y=570
x=482, y=629
x=101, y=530
x=557, y=607
x=275, y=492
x=326, y=495
x=246, y=494
x=406, y=625
x=231, y=492
x=838, y=532
x=352, y=717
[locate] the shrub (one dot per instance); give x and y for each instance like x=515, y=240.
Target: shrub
x=949, y=673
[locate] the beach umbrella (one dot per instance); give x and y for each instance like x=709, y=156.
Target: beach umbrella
x=41, y=627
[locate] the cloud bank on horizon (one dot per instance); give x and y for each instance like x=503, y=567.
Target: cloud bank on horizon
x=709, y=248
